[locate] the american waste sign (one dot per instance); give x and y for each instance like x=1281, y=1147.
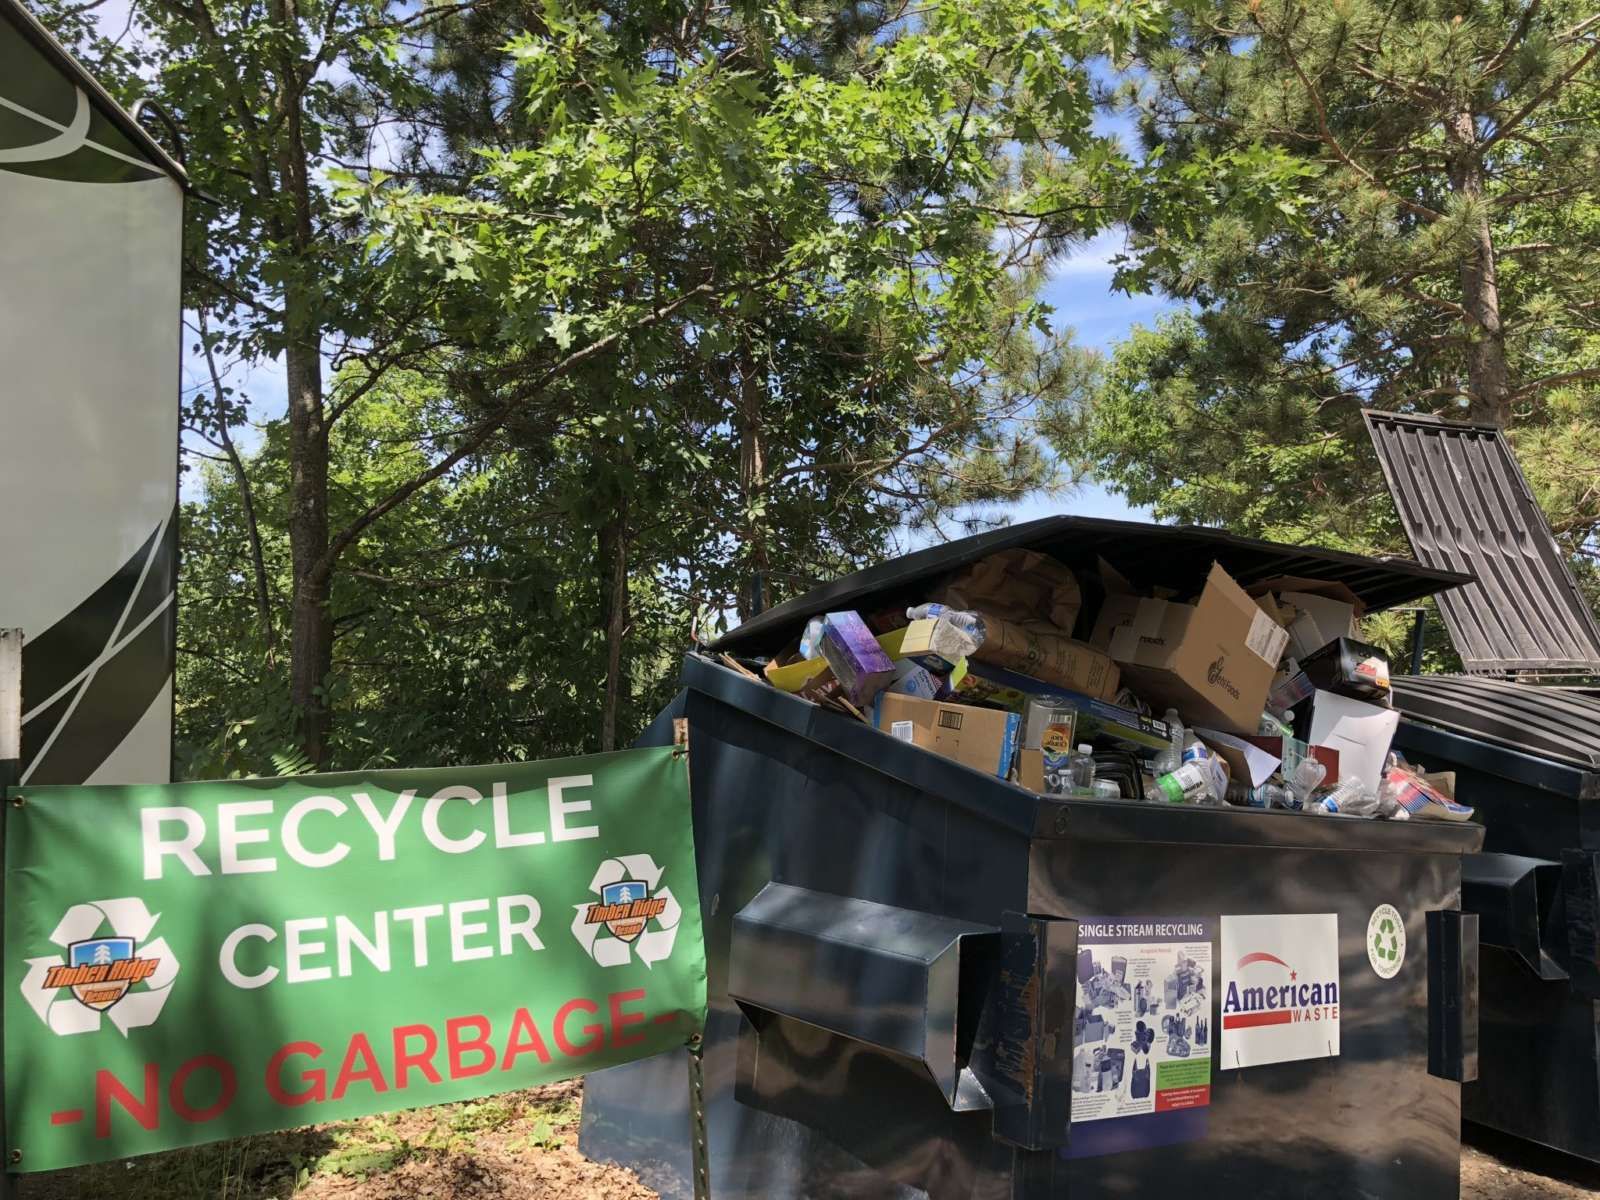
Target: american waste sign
x=1280, y=989
x=207, y=960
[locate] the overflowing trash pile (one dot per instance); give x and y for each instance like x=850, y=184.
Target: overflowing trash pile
x=1258, y=698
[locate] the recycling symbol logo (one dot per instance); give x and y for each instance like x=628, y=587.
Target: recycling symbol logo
x=109, y=970
x=633, y=915
x=1386, y=941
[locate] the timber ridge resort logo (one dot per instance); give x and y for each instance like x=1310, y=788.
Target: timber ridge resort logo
x=624, y=908
x=111, y=969
x=630, y=915
x=1276, y=995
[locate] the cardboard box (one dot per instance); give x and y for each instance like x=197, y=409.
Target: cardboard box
x=1350, y=668
x=914, y=679
x=1154, y=629
x=1030, y=769
x=982, y=738
x=1359, y=731
x=1315, y=611
x=1218, y=672
x=853, y=654
x=932, y=642
x=1047, y=653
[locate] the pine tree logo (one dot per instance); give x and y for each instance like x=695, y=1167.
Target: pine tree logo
x=1386, y=941
x=111, y=969
x=633, y=916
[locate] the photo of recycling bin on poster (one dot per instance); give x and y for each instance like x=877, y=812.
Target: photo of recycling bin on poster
x=1142, y=1031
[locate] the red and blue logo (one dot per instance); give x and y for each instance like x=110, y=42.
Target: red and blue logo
x=1275, y=994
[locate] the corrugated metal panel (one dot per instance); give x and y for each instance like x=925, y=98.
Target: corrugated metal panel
x=1466, y=507
x=1560, y=724
x=1174, y=556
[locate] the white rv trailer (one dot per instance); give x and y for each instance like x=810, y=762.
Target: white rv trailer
x=91, y=216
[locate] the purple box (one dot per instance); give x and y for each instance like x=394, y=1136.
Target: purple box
x=858, y=662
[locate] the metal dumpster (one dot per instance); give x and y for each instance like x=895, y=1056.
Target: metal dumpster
x=897, y=948
x=1526, y=757
x=1528, y=760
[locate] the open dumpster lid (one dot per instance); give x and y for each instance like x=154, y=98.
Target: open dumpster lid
x=1558, y=724
x=1466, y=507
x=57, y=108
x=1175, y=556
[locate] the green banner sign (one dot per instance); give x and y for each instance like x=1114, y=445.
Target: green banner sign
x=206, y=960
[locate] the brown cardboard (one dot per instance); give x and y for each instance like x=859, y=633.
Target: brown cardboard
x=1030, y=769
x=981, y=738
x=1047, y=653
x=1220, y=670
x=1017, y=585
x=1116, y=610
x=1315, y=587
x=1154, y=631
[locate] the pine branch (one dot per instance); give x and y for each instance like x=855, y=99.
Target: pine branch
x=1549, y=381
x=1328, y=137
x=1504, y=129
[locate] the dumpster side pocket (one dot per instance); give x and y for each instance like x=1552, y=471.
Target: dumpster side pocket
x=906, y=982
x=1580, y=889
x=1453, y=995
x=1024, y=1053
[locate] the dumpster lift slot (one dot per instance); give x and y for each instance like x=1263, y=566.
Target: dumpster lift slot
x=1511, y=895
x=889, y=977
x=1453, y=995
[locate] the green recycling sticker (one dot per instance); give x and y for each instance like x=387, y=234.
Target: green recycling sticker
x=1386, y=941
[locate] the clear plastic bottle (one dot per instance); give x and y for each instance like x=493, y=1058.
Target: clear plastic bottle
x=1306, y=778
x=1268, y=795
x=1083, y=769
x=1186, y=785
x=1346, y=797
x=1212, y=769
x=811, y=639
x=1170, y=757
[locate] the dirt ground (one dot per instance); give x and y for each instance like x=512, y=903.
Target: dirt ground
x=523, y=1146
x=520, y=1146
x=1494, y=1167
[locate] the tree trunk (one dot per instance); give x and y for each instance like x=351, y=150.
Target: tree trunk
x=614, y=612
x=310, y=622
x=1488, y=376
x=752, y=481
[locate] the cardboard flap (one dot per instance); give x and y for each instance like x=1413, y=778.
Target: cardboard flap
x=1312, y=587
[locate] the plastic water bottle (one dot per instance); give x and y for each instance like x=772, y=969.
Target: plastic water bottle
x=1268, y=795
x=1212, y=770
x=1083, y=769
x=1186, y=785
x=1307, y=777
x=1346, y=798
x=811, y=639
x=1170, y=757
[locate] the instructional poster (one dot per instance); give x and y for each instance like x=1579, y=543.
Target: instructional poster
x=1142, y=1036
